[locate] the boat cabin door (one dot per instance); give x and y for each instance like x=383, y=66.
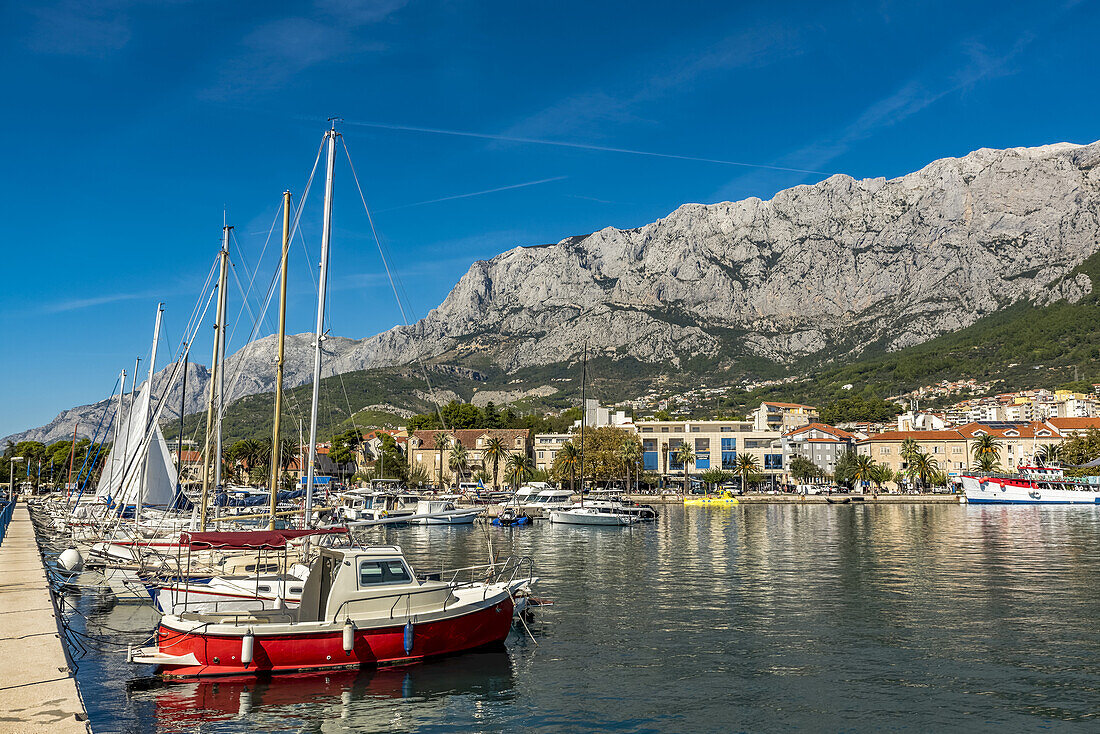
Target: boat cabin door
x=318, y=586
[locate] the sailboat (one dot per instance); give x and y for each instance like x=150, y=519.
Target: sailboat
x=579, y=514
x=357, y=606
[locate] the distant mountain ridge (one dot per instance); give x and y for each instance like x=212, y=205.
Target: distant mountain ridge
x=823, y=271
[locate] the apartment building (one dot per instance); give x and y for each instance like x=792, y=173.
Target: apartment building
x=546, y=447
x=818, y=442
x=425, y=450
x=952, y=448
x=773, y=416
x=715, y=444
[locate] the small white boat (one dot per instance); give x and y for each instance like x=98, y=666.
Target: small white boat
x=437, y=512
x=549, y=500
x=590, y=516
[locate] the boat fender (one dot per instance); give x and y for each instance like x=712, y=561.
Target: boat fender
x=247, y=643
x=70, y=560
x=349, y=637
x=408, y=637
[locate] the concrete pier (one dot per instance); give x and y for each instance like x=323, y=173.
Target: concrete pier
x=37, y=691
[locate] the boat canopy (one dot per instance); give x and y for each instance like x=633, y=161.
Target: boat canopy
x=250, y=539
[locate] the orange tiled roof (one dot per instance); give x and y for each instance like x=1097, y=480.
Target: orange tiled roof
x=1074, y=424
x=823, y=427
x=1023, y=430
x=948, y=435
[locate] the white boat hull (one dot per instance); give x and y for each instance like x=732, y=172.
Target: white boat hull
x=575, y=517
x=990, y=490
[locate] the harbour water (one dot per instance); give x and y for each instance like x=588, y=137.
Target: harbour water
x=752, y=618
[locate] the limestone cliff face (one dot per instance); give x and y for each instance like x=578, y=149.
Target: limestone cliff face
x=840, y=261
x=818, y=269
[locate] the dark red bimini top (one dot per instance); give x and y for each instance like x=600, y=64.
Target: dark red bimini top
x=249, y=539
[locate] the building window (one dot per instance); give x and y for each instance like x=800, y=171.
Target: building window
x=774, y=461
x=695, y=429
x=729, y=459
x=542, y=454
x=729, y=444
x=884, y=451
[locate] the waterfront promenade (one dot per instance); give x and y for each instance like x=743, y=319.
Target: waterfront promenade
x=37, y=692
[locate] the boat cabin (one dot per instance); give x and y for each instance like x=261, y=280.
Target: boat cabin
x=375, y=581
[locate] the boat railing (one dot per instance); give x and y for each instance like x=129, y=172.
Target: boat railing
x=1033, y=478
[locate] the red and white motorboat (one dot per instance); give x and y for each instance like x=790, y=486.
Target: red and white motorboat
x=1031, y=485
x=360, y=607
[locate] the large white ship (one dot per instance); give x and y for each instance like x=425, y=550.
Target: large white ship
x=1032, y=485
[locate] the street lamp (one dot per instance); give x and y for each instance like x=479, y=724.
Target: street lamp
x=11, y=478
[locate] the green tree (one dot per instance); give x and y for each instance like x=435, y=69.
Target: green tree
x=495, y=451
x=1049, y=454
x=518, y=469
x=685, y=457
x=441, y=441
x=459, y=461
x=566, y=462
x=923, y=467
x=714, y=477
x=746, y=468
x=631, y=455
x=863, y=469
x=803, y=469
x=986, y=445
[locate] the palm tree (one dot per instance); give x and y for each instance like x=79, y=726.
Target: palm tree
x=631, y=455
x=988, y=463
x=495, y=451
x=418, y=475
x=685, y=456
x=986, y=445
x=1050, y=453
x=924, y=467
x=881, y=474
x=746, y=467
x=459, y=459
x=519, y=467
x=570, y=457
x=864, y=468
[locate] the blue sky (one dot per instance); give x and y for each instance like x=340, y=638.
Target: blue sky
x=130, y=125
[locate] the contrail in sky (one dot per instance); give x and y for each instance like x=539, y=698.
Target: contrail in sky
x=476, y=193
x=581, y=146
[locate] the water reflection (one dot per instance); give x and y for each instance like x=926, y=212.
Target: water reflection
x=357, y=698
x=852, y=617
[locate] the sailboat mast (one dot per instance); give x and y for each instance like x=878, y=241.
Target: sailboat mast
x=220, y=410
x=276, y=449
x=140, y=497
x=584, y=414
x=113, y=456
x=72, y=455
x=223, y=276
x=183, y=408
x=326, y=234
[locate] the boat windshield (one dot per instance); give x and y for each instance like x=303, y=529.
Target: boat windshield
x=388, y=571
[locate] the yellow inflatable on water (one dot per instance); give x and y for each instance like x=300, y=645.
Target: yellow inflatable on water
x=726, y=498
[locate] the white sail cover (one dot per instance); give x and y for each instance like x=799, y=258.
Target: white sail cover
x=123, y=479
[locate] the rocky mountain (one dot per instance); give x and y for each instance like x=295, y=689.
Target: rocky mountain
x=837, y=268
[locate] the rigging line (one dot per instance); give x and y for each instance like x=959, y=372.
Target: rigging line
x=389, y=275
x=302, y=205
x=244, y=260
